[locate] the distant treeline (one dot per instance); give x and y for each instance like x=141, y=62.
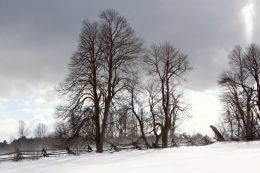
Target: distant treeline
x=24, y=143
x=51, y=143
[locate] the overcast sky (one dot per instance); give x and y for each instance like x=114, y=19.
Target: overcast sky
x=37, y=39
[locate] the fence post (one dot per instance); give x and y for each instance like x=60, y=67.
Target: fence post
x=18, y=155
x=44, y=152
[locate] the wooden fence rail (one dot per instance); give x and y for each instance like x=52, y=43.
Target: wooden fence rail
x=36, y=154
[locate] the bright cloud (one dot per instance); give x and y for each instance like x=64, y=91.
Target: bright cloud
x=33, y=108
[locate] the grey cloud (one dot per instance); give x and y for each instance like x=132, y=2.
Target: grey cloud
x=38, y=37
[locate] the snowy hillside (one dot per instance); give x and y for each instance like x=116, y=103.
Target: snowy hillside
x=216, y=158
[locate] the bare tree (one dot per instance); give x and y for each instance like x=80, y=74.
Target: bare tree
x=40, y=130
x=153, y=95
x=21, y=128
x=134, y=90
x=251, y=62
x=241, y=92
x=120, y=48
x=167, y=65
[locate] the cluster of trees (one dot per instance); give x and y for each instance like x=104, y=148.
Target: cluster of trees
x=39, y=139
x=40, y=131
x=241, y=94
x=119, y=88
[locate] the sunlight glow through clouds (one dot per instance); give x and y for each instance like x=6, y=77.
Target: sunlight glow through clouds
x=205, y=110
x=248, y=14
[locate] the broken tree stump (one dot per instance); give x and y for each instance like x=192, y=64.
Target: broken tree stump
x=218, y=135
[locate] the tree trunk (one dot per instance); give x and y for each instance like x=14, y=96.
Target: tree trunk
x=165, y=138
x=104, y=126
x=143, y=135
x=156, y=142
x=97, y=137
x=140, y=120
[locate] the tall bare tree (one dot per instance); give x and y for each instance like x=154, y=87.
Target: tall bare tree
x=167, y=65
x=98, y=71
x=240, y=86
x=82, y=86
x=120, y=48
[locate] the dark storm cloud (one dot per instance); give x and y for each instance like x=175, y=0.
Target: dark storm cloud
x=38, y=37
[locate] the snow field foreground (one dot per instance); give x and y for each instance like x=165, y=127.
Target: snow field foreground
x=216, y=158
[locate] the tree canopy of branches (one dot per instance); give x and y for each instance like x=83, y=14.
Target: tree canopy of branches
x=241, y=93
x=98, y=71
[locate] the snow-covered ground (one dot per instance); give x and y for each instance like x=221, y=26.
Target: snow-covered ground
x=217, y=158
